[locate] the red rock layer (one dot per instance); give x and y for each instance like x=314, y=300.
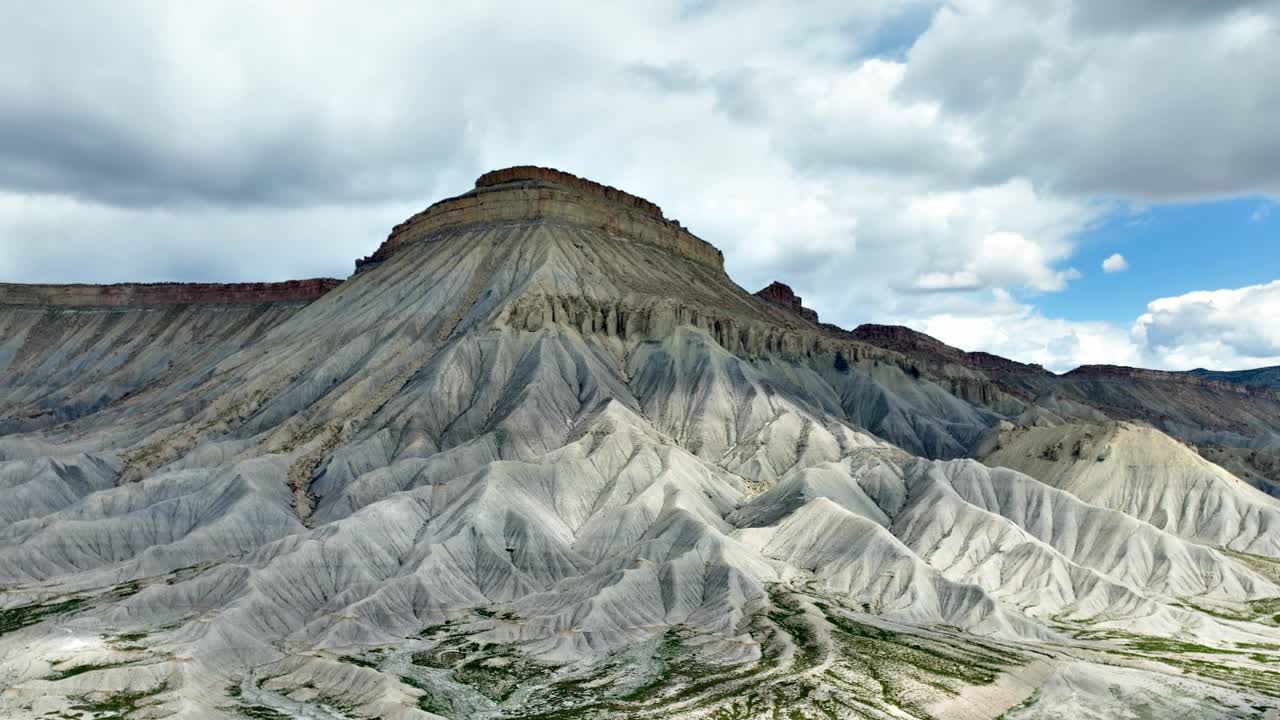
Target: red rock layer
x=127, y=294
x=780, y=294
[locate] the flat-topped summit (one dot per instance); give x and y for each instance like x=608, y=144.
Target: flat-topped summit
x=533, y=173
x=166, y=293
x=535, y=194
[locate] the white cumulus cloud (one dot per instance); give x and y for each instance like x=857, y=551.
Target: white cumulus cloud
x=1114, y=264
x=1219, y=329
x=1231, y=329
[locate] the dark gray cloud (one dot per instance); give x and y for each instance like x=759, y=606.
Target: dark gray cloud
x=55, y=151
x=1130, y=15
x=1138, y=115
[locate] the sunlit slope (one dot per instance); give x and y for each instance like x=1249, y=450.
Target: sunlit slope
x=1147, y=475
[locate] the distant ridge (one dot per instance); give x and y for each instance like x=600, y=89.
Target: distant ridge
x=167, y=293
x=1265, y=376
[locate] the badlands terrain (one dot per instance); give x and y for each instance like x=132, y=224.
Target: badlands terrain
x=540, y=457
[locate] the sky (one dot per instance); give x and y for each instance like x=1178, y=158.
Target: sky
x=1056, y=181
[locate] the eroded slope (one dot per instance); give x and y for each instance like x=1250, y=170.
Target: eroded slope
x=504, y=471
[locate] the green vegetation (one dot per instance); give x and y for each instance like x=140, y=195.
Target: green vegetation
x=341, y=707
x=1183, y=655
x=427, y=701
x=129, y=589
x=117, y=706
x=669, y=655
x=82, y=669
x=353, y=660
x=1269, y=567
x=433, y=630
x=866, y=668
x=16, y=618
x=447, y=654
x=1220, y=613
x=1269, y=606
x=261, y=712
x=1168, y=645
x=1266, y=682
x=877, y=662
x=1032, y=700
x=791, y=619
x=497, y=676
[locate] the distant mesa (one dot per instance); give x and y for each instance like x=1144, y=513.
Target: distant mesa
x=142, y=294
x=1220, y=381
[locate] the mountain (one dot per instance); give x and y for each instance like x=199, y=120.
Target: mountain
x=540, y=457
x=1266, y=377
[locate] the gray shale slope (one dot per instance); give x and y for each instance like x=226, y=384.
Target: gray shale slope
x=540, y=457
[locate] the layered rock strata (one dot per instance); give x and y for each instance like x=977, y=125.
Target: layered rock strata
x=142, y=294
x=530, y=194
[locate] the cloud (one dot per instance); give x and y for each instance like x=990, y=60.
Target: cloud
x=1108, y=16
x=1220, y=329
x=1103, y=98
x=1115, y=263
x=1015, y=330
x=1229, y=329
x=58, y=239
x=1001, y=259
x=873, y=155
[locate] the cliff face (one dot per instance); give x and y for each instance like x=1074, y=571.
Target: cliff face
x=141, y=294
x=780, y=294
x=521, y=194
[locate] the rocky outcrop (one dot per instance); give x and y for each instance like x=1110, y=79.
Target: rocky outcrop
x=523, y=194
x=904, y=339
x=782, y=295
x=741, y=336
x=911, y=342
x=139, y=294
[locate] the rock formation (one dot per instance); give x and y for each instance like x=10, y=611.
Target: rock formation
x=143, y=294
x=780, y=294
x=540, y=457
x=528, y=193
